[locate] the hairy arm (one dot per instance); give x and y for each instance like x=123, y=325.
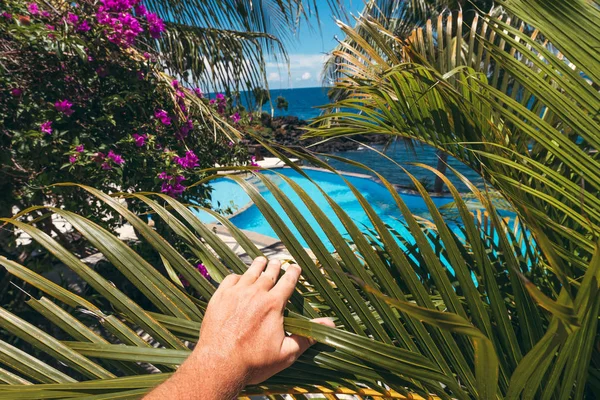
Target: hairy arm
x=242, y=340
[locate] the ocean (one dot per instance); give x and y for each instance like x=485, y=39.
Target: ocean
x=302, y=103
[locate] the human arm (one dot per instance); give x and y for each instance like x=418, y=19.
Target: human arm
x=242, y=340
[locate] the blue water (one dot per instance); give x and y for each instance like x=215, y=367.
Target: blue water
x=228, y=192
x=303, y=103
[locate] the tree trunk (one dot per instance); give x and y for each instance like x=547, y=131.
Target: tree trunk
x=441, y=167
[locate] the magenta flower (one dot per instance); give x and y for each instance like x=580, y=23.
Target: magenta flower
x=73, y=159
x=33, y=9
x=236, y=118
x=147, y=55
x=179, y=94
x=185, y=129
x=156, y=26
x=46, y=127
x=72, y=18
x=139, y=140
x=140, y=10
x=117, y=159
x=162, y=116
x=140, y=75
x=253, y=162
x=106, y=166
x=64, y=106
x=16, y=92
x=6, y=15
x=220, y=96
x=173, y=187
x=164, y=175
x=198, y=92
x=190, y=160
x=45, y=14
x=79, y=148
x=175, y=83
x=84, y=26
x=50, y=27
x=202, y=268
x=230, y=144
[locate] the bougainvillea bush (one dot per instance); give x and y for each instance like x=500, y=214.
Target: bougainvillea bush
x=84, y=98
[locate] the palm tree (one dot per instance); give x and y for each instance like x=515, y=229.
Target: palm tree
x=224, y=45
x=504, y=307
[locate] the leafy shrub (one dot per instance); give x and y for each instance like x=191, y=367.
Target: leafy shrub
x=84, y=98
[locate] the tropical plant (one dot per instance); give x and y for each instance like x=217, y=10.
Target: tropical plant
x=445, y=312
x=501, y=305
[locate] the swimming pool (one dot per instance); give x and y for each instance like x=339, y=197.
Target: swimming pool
x=227, y=193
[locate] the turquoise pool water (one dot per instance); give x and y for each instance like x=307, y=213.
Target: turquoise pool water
x=226, y=193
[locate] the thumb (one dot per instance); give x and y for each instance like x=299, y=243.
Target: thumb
x=293, y=346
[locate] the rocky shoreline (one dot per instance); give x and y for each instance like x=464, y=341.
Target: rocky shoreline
x=288, y=130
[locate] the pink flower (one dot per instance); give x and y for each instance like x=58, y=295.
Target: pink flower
x=72, y=18
x=198, y=92
x=189, y=161
x=84, y=26
x=117, y=159
x=106, y=166
x=45, y=14
x=186, y=127
x=164, y=175
x=140, y=10
x=253, y=162
x=46, y=127
x=79, y=148
x=73, y=159
x=175, y=83
x=220, y=96
x=50, y=27
x=16, y=92
x=173, y=187
x=33, y=9
x=230, y=144
x=147, y=55
x=139, y=140
x=202, y=268
x=162, y=116
x=180, y=94
x=64, y=106
x=6, y=15
x=236, y=118
x=156, y=26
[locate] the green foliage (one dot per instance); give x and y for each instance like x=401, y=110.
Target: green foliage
x=282, y=103
x=261, y=96
x=112, y=136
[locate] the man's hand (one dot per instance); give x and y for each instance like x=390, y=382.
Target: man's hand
x=242, y=340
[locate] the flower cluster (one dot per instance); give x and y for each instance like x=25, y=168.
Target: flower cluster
x=220, y=101
x=64, y=107
x=190, y=160
x=139, y=140
x=106, y=161
x=124, y=26
x=162, y=116
x=172, y=184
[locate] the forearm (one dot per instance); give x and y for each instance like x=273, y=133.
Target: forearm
x=202, y=377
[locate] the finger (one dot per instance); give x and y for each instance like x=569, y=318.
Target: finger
x=269, y=277
x=285, y=287
x=293, y=346
x=253, y=271
x=229, y=281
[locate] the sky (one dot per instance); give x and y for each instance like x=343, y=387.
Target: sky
x=308, y=49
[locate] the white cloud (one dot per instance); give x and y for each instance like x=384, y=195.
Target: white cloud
x=300, y=72
x=274, y=76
